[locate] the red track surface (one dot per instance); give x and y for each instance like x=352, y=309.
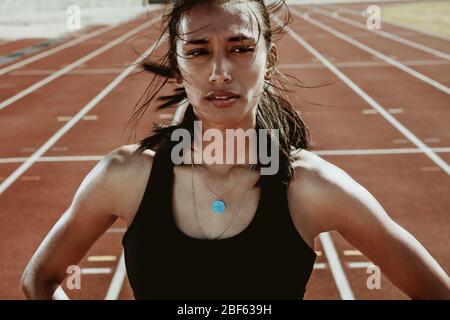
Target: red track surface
x=411, y=187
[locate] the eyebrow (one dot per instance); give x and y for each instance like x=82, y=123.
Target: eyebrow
x=237, y=38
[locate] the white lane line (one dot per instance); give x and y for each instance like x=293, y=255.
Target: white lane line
x=61, y=47
x=61, y=132
x=95, y=270
x=92, y=71
x=59, y=294
x=385, y=34
x=342, y=152
x=362, y=64
x=117, y=281
x=360, y=265
x=63, y=118
x=393, y=121
x=432, y=140
x=74, y=65
x=368, y=111
x=91, y=117
x=430, y=169
x=391, y=111
x=362, y=14
x=351, y=253
x=362, y=152
x=374, y=52
x=425, y=62
x=320, y=266
x=395, y=110
x=53, y=159
x=400, y=141
x=54, y=50
x=101, y=258
x=336, y=268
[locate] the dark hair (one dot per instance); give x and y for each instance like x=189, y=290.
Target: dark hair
x=273, y=110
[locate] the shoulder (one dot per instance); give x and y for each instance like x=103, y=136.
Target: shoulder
x=123, y=175
x=321, y=193
x=126, y=158
x=312, y=171
x=123, y=164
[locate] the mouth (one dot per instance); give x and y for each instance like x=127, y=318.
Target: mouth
x=222, y=100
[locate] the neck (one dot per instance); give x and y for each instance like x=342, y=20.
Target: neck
x=224, y=149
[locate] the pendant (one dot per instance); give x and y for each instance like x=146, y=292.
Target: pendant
x=218, y=206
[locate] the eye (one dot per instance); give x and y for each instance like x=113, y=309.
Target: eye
x=244, y=49
x=195, y=53
x=241, y=50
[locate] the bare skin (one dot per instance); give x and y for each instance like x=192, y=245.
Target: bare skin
x=322, y=197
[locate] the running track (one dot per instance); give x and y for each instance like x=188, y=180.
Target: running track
x=384, y=121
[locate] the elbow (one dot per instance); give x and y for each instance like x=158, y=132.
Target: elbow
x=26, y=283
x=35, y=288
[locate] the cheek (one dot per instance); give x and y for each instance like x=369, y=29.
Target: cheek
x=253, y=80
x=193, y=93
x=254, y=72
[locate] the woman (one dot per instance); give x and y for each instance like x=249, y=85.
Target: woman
x=223, y=230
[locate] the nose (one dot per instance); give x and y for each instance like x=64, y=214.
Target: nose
x=219, y=74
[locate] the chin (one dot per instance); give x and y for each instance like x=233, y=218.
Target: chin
x=229, y=117
x=229, y=122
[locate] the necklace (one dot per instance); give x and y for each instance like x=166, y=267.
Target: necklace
x=218, y=205
x=231, y=220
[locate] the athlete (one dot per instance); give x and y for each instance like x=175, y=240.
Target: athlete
x=226, y=229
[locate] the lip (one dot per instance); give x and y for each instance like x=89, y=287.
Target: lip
x=223, y=103
x=231, y=97
x=218, y=93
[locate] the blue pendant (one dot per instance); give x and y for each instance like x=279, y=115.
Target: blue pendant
x=218, y=206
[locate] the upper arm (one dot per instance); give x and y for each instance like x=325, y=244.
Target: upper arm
x=363, y=222
x=335, y=201
x=92, y=211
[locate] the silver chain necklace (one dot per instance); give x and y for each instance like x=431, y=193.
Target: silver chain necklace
x=232, y=219
x=218, y=205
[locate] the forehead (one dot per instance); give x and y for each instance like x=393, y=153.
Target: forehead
x=210, y=18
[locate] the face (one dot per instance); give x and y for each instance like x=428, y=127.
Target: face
x=227, y=59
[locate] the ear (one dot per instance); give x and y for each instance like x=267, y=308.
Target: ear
x=272, y=59
x=179, y=81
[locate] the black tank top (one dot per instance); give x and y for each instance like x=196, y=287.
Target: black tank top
x=267, y=260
